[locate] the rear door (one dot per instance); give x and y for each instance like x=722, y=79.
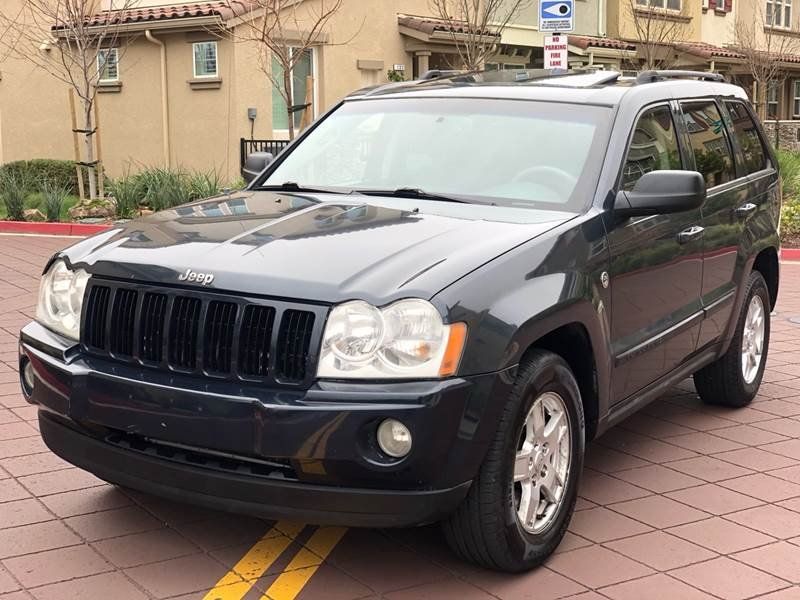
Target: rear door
x=727, y=150
x=656, y=267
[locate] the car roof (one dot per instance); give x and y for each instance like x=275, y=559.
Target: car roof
x=603, y=88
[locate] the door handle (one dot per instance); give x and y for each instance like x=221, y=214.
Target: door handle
x=695, y=232
x=745, y=209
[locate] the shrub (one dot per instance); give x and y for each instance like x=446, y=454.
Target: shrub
x=14, y=189
x=54, y=196
x=790, y=218
x=164, y=188
x=36, y=171
x=203, y=185
x=789, y=163
x=129, y=191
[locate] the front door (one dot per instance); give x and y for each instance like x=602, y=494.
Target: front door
x=656, y=268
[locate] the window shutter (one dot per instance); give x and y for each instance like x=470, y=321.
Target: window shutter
x=728, y=5
x=712, y=4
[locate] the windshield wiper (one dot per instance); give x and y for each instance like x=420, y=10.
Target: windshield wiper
x=293, y=186
x=409, y=192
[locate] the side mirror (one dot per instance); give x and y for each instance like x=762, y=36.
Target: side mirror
x=254, y=164
x=660, y=192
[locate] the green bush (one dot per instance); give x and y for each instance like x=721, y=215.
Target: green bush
x=789, y=163
x=790, y=218
x=128, y=191
x=14, y=189
x=58, y=172
x=53, y=199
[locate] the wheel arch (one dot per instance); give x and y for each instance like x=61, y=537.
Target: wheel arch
x=767, y=263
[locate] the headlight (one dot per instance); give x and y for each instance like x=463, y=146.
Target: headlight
x=404, y=340
x=61, y=299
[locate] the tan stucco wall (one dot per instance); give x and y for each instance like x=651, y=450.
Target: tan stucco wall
x=718, y=28
x=205, y=125
x=621, y=23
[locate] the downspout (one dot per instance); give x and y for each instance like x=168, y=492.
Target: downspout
x=601, y=18
x=164, y=95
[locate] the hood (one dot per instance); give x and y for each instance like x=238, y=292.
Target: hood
x=313, y=247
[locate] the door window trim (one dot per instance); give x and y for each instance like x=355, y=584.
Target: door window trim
x=714, y=100
x=621, y=169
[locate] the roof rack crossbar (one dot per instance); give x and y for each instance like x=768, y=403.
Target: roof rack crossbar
x=651, y=76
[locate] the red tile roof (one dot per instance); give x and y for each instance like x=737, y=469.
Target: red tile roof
x=585, y=42
x=223, y=10
x=431, y=25
x=707, y=51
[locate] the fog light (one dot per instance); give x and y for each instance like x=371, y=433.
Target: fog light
x=394, y=438
x=28, y=378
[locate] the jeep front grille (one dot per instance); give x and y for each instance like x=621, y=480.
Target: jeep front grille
x=205, y=332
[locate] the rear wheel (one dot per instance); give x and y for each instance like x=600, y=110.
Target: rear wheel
x=733, y=380
x=520, y=504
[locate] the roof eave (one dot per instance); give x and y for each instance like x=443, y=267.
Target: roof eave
x=214, y=21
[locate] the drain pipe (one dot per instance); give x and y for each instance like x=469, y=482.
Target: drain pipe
x=164, y=94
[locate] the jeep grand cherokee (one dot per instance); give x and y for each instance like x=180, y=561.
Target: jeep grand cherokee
x=424, y=307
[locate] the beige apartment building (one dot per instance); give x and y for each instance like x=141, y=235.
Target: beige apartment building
x=215, y=93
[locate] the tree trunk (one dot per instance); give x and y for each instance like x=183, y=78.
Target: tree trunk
x=89, y=143
x=287, y=89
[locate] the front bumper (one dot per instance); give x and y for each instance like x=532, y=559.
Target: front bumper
x=301, y=454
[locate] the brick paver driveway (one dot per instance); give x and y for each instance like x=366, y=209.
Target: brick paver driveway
x=680, y=502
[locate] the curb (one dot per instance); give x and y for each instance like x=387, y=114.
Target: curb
x=790, y=254
x=78, y=229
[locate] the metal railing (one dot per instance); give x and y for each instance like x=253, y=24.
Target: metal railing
x=247, y=147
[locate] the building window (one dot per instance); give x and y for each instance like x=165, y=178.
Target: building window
x=669, y=4
x=205, y=59
x=779, y=13
x=772, y=100
x=796, y=88
x=108, y=64
x=303, y=69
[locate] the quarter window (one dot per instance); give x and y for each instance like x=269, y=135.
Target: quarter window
x=654, y=146
x=108, y=64
x=712, y=153
x=205, y=59
x=754, y=157
x=779, y=13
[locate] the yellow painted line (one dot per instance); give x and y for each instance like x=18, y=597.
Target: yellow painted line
x=304, y=564
x=237, y=582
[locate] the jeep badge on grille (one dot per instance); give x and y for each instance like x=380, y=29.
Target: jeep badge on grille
x=194, y=276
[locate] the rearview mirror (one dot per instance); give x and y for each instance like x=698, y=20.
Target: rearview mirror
x=660, y=192
x=254, y=164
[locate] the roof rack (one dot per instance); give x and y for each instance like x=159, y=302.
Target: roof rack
x=651, y=76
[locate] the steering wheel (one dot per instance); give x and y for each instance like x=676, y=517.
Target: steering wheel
x=552, y=177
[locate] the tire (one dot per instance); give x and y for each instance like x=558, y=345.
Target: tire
x=723, y=382
x=485, y=528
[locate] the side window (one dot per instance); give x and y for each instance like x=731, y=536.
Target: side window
x=712, y=154
x=744, y=129
x=654, y=146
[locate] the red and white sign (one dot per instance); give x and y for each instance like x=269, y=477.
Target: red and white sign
x=555, y=52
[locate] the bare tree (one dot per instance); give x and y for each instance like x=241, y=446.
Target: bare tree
x=656, y=30
x=763, y=47
x=283, y=31
x=68, y=39
x=475, y=26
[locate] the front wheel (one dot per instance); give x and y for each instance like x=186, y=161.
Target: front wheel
x=520, y=504
x=733, y=380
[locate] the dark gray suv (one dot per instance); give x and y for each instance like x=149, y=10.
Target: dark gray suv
x=424, y=307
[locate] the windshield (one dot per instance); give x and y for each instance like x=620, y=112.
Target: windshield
x=506, y=152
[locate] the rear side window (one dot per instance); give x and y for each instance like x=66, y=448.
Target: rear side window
x=654, y=146
x=712, y=153
x=754, y=157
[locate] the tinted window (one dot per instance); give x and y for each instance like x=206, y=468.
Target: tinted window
x=654, y=146
x=754, y=157
x=712, y=155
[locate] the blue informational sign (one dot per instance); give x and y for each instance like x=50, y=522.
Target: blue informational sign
x=557, y=15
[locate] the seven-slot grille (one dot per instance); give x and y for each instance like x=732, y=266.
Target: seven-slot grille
x=207, y=333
